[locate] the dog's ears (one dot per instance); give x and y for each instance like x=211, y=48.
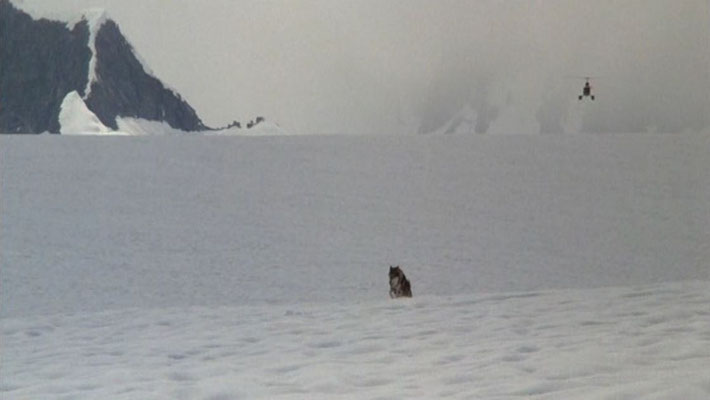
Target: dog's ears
x=391, y=268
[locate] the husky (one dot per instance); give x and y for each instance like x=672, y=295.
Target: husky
x=399, y=285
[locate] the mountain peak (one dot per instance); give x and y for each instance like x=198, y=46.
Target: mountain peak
x=44, y=60
x=95, y=17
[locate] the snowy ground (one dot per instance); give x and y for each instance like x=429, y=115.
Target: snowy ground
x=648, y=342
x=233, y=267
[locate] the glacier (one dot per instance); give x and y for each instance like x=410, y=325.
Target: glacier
x=223, y=267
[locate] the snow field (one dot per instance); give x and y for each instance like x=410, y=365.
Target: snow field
x=91, y=223
x=646, y=342
x=216, y=268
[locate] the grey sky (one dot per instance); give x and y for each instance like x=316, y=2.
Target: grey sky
x=392, y=66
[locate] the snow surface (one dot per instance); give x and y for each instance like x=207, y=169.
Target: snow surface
x=75, y=118
x=648, y=342
x=144, y=127
x=194, y=267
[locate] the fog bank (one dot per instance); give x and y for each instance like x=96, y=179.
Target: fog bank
x=405, y=66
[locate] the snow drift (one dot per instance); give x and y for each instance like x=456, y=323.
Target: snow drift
x=76, y=119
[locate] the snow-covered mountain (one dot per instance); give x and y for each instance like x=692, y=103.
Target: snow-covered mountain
x=464, y=121
x=497, y=113
x=44, y=64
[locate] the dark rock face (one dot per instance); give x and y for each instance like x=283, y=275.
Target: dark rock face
x=42, y=61
x=123, y=88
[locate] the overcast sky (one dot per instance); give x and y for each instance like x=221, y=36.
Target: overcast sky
x=399, y=66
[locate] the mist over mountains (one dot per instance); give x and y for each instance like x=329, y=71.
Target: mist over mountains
x=406, y=66
x=416, y=66
x=522, y=61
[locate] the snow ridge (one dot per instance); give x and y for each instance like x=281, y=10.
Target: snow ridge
x=149, y=71
x=95, y=18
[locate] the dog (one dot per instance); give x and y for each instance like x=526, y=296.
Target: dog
x=399, y=285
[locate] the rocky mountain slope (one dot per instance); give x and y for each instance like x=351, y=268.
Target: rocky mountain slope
x=43, y=61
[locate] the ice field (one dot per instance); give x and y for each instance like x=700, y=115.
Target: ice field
x=190, y=267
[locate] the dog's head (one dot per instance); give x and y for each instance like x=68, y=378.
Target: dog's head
x=395, y=272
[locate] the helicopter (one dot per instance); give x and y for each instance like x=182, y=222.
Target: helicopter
x=587, y=88
x=586, y=91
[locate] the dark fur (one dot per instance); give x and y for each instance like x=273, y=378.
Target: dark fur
x=399, y=285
